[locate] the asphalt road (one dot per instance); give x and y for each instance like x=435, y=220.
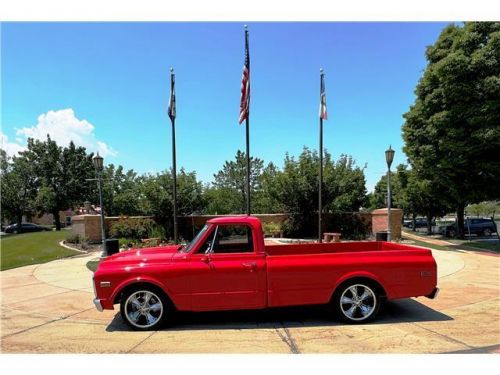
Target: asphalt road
x=48, y=309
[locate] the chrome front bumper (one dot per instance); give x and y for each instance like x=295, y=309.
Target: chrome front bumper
x=97, y=303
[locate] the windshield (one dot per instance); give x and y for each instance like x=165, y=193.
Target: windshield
x=195, y=240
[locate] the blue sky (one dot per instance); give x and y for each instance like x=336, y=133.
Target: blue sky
x=106, y=85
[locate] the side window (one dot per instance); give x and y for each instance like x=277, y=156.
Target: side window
x=206, y=246
x=233, y=239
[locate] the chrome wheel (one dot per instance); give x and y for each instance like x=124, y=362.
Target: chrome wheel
x=143, y=309
x=358, y=302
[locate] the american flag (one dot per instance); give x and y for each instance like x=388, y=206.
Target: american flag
x=245, y=84
x=171, y=103
x=322, y=99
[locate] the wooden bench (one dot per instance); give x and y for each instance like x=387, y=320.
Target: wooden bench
x=331, y=237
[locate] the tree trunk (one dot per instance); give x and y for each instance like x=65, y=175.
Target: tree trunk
x=19, y=222
x=414, y=222
x=460, y=220
x=57, y=219
x=429, y=223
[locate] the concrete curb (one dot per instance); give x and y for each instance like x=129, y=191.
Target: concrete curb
x=61, y=243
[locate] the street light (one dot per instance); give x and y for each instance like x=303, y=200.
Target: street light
x=98, y=162
x=389, y=157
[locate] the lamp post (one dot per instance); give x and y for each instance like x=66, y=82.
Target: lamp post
x=389, y=157
x=98, y=162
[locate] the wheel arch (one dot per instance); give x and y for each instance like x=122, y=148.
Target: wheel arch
x=151, y=283
x=361, y=277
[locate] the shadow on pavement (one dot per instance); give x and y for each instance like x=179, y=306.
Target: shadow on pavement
x=401, y=311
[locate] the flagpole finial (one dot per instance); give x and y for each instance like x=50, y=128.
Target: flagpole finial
x=171, y=70
x=321, y=70
x=245, y=27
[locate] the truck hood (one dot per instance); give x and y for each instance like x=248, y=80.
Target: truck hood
x=149, y=253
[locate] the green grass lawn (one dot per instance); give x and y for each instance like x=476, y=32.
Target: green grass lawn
x=32, y=248
x=92, y=265
x=493, y=246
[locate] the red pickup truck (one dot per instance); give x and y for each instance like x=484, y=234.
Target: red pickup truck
x=228, y=266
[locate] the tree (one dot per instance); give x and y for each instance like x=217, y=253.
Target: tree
x=296, y=188
x=18, y=188
x=263, y=201
x=231, y=182
x=121, y=191
x=378, y=198
x=486, y=208
x=414, y=195
x=158, y=196
x=452, y=131
x=61, y=175
x=222, y=201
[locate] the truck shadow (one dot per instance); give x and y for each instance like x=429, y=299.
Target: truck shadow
x=401, y=311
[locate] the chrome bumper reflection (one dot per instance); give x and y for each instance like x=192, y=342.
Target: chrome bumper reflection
x=97, y=303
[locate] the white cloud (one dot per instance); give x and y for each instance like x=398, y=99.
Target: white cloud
x=63, y=126
x=11, y=148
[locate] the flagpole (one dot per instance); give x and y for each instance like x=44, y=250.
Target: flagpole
x=174, y=161
x=247, y=123
x=320, y=195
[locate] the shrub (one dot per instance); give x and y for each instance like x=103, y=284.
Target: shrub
x=157, y=231
x=77, y=239
x=126, y=243
x=136, y=228
x=271, y=228
x=73, y=238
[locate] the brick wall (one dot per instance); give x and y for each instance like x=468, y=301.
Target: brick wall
x=90, y=225
x=379, y=221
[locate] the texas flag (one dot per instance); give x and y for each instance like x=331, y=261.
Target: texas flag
x=323, y=114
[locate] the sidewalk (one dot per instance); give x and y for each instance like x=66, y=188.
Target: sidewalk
x=433, y=241
x=47, y=308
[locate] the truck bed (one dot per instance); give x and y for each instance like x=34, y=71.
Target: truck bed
x=334, y=247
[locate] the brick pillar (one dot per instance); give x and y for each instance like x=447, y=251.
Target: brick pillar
x=379, y=221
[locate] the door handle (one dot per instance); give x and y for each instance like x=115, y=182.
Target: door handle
x=251, y=265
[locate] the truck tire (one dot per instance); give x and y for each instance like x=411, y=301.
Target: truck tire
x=356, y=301
x=145, y=308
x=487, y=232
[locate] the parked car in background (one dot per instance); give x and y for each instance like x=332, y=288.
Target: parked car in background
x=26, y=227
x=484, y=227
x=407, y=223
x=420, y=222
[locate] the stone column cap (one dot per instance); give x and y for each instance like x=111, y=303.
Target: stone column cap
x=384, y=210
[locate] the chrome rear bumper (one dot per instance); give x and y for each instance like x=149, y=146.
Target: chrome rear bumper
x=97, y=303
